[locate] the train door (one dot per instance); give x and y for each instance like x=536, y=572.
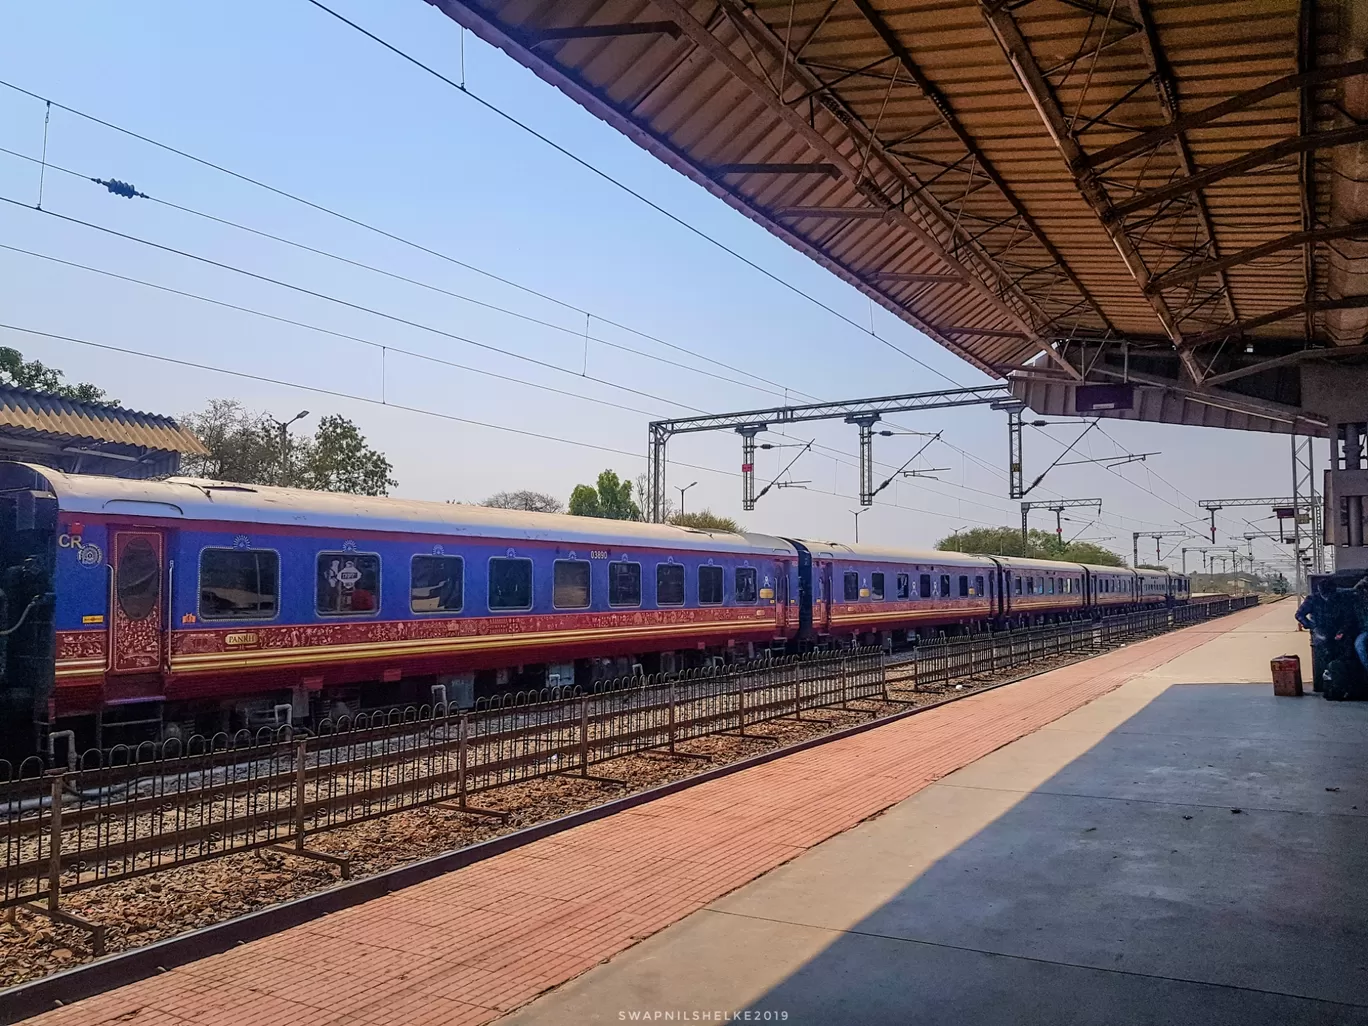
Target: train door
x=137, y=605
x=804, y=587
x=781, y=597
x=823, y=614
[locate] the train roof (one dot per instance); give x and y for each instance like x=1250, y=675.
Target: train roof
x=875, y=553
x=184, y=498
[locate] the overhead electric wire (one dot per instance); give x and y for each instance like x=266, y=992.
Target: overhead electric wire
x=341, y=302
x=495, y=109
x=322, y=208
x=371, y=400
x=491, y=275
x=578, y=333
x=383, y=346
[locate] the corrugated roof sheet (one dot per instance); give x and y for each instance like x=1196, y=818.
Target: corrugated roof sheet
x=958, y=160
x=41, y=414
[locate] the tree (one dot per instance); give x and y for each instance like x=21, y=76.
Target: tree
x=611, y=499
x=532, y=502
x=1006, y=541
x=337, y=459
x=244, y=446
x=1151, y=566
x=241, y=445
x=705, y=520
x=14, y=370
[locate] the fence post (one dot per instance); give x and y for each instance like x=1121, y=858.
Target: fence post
x=584, y=736
x=672, y=717
x=741, y=704
x=300, y=777
x=55, y=845
x=462, y=733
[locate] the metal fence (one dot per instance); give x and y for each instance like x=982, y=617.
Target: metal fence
x=134, y=810
x=126, y=811
x=945, y=660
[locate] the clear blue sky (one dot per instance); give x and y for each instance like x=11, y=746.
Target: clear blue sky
x=281, y=92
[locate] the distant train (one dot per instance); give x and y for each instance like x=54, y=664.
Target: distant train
x=136, y=609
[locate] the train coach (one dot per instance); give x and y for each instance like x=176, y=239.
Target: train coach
x=134, y=609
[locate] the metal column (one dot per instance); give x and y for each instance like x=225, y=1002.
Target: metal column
x=865, y=422
x=748, y=433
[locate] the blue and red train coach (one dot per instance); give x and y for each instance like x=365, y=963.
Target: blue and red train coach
x=134, y=609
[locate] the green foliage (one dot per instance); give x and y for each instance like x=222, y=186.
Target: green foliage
x=1006, y=541
x=15, y=370
x=611, y=499
x=705, y=520
x=337, y=459
x=531, y=502
x=244, y=446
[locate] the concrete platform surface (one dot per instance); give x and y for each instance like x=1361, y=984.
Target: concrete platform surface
x=480, y=942
x=1183, y=849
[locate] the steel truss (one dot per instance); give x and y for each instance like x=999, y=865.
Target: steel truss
x=1148, y=193
x=864, y=413
x=1057, y=507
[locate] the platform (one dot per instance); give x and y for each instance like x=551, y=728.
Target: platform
x=1059, y=850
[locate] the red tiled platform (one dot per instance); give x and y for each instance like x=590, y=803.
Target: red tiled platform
x=474, y=944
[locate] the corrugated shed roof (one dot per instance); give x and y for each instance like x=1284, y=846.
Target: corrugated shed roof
x=26, y=412
x=1012, y=178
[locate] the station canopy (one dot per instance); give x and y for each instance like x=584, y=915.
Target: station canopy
x=1165, y=194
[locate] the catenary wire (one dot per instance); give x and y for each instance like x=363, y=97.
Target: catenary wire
x=495, y=109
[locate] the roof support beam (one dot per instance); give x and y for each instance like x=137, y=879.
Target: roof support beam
x=1315, y=306
x=1032, y=79
x=1301, y=356
x=796, y=122
x=1306, y=179
x=629, y=28
x=1240, y=101
x=937, y=100
x=1255, y=159
x=830, y=170
x=914, y=276
x=1244, y=256
x=1162, y=77
x=835, y=213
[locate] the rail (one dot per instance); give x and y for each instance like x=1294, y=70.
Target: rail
x=129, y=811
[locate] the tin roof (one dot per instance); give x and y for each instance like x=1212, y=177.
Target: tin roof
x=27, y=413
x=1098, y=189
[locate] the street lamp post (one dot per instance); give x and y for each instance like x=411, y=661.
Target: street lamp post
x=283, y=428
x=856, y=513
x=681, y=492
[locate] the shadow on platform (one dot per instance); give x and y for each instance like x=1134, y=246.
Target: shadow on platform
x=1205, y=862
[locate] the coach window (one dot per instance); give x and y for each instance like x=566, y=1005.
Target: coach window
x=852, y=586
x=709, y=585
x=238, y=584
x=1051, y=585
x=876, y=586
x=624, y=584
x=436, y=584
x=745, y=584
x=925, y=585
x=570, y=584
x=348, y=582
x=978, y=586
x=1016, y=585
x=963, y=586
x=945, y=585
x=510, y=584
x=669, y=584
x=902, y=585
